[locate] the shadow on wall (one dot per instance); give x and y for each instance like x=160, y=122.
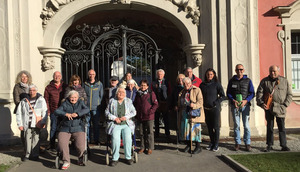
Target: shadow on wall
x=6, y=134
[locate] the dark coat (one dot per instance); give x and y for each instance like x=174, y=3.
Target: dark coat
x=144, y=107
x=213, y=94
x=75, y=125
x=79, y=89
x=53, y=95
x=131, y=94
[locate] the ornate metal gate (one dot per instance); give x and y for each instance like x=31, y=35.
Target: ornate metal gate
x=110, y=51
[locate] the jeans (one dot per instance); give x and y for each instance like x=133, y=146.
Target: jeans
x=212, y=120
x=95, y=115
x=115, y=141
x=236, y=112
x=281, y=128
x=53, y=125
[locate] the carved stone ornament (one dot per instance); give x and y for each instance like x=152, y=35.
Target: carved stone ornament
x=197, y=59
x=51, y=8
x=190, y=7
x=49, y=53
x=194, y=52
x=47, y=63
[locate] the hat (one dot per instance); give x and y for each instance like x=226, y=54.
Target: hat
x=114, y=78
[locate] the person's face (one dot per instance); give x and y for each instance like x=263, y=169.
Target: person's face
x=144, y=86
x=32, y=92
x=73, y=98
x=210, y=75
x=128, y=77
x=24, y=78
x=180, y=82
x=57, y=77
x=92, y=75
x=239, y=70
x=160, y=75
x=189, y=73
x=121, y=94
x=187, y=85
x=273, y=71
x=76, y=82
x=130, y=85
x=114, y=83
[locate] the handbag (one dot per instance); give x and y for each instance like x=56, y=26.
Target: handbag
x=195, y=112
x=38, y=118
x=268, y=97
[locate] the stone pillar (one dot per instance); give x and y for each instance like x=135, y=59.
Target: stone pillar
x=51, y=58
x=194, y=56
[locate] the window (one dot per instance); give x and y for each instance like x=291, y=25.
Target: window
x=295, y=57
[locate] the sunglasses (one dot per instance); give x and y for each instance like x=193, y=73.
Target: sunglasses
x=240, y=69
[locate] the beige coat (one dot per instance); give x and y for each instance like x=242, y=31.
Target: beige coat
x=197, y=99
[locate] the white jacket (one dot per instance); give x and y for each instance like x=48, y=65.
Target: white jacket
x=22, y=113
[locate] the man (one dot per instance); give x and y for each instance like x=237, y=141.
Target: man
x=240, y=92
x=278, y=87
x=94, y=92
x=195, y=80
x=54, y=93
x=162, y=91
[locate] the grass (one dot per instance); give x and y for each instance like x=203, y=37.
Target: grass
x=270, y=162
x=4, y=167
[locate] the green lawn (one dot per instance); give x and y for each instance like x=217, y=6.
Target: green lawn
x=3, y=167
x=271, y=162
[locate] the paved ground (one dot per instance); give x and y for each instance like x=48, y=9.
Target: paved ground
x=164, y=158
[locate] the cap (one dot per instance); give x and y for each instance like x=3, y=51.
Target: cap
x=114, y=78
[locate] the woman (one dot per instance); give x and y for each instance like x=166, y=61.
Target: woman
x=22, y=83
x=131, y=90
x=71, y=114
x=213, y=95
x=119, y=112
x=190, y=98
x=146, y=105
x=128, y=77
x=30, y=110
x=75, y=84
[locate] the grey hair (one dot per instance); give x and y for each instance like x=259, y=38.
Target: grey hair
x=160, y=70
x=131, y=81
x=72, y=92
x=118, y=89
x=278, y=68
x=188, y=68
x=55, y=72
x=186, y=80
x=33, y=86
x=19, y=77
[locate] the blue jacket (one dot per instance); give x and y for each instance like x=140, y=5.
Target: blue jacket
x=75, y=125
x=230, y=91
x=131, y=94
x=94, y=94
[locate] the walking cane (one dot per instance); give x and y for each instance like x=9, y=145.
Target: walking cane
x=191, y=136
x=177, y=131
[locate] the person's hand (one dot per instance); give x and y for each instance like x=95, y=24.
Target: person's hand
x=39, y=125
x=192, y=105
x=236, y=103
x=123, y=118
x=118, y=121
x=69, y=116
x=265, y=107
x=244, y=102
x=74, y=115
x=21, y=128
x=48, y=113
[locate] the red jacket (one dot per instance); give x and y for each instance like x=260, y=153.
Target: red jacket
x=53, y=95
x=196, y=81
x=145, y=110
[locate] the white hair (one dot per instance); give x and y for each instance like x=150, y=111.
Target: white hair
x=73, y=92
x=160, y=70
x=186, y=80
x=33, y=86
x=131, y=81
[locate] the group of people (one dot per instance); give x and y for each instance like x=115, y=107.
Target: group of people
x=76, y=106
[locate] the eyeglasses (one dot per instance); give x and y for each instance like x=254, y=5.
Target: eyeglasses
x=240, y=69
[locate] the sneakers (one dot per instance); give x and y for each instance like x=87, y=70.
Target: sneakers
x=268, y=149
x=113, y=163
x=65, y=166
x=187, y=149
x=248, y=148
x=80, y=161
x=236, y=147
x=209, y=147
x=215, y=149
x=285, y=148
x=24, y=159
x=197, y=150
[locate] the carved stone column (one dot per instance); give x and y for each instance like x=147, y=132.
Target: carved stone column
x=194, y=56
x=51, y=57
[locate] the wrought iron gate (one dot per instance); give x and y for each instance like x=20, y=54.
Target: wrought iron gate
x=110, y=51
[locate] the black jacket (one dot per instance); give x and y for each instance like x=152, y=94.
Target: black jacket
x=213, y=94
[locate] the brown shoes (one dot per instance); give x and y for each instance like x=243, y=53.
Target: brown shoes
x=236, y=147
x=141, y=151
x=248, y=148
x=149, y=152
